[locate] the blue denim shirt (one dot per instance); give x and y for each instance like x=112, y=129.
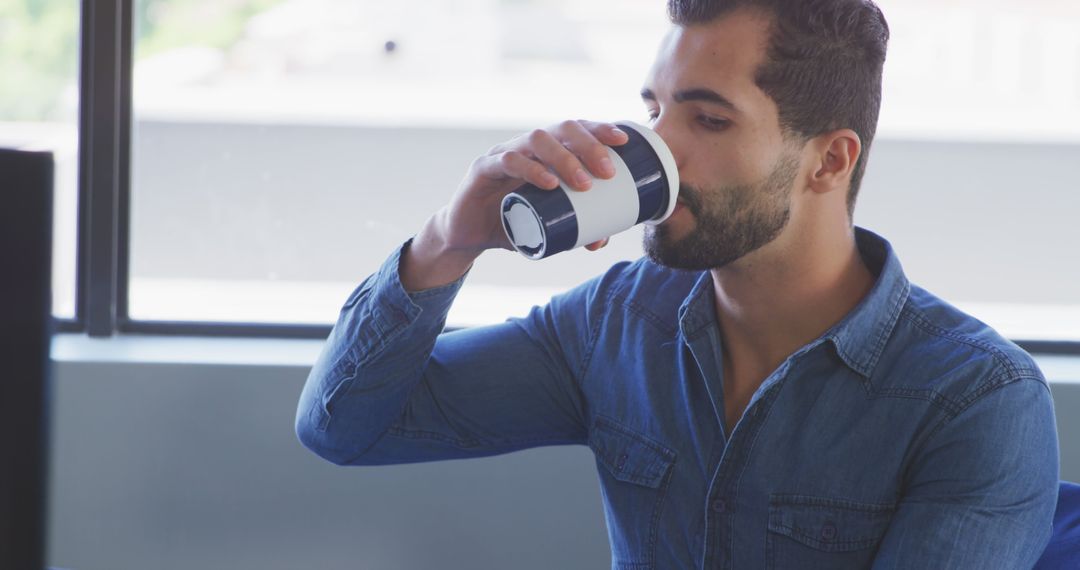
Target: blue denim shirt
x=909, y=435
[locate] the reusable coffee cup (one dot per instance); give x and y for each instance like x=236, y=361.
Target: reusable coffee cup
x=541, y=223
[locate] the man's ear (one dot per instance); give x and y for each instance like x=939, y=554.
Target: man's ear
x=835, y=155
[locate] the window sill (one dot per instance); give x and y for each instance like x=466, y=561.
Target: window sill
x=168, y=349
x=162, y=349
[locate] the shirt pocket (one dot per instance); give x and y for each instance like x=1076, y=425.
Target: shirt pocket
x=634, y=475
x=816, y=532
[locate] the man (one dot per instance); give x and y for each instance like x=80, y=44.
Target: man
x=766, y=388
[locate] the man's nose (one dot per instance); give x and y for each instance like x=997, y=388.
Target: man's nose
x=663, y=127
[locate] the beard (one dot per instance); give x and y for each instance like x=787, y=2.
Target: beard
x=730, y=221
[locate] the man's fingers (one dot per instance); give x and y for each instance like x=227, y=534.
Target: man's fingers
x=516, y=165
x=606, y=133
x=550, y=150
x=587, y=147
x=573, y=151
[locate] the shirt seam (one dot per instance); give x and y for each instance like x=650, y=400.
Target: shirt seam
x=798, y=533
x=642, y=312
x=423, y=294
x=590, y=349
x=951, y=406
x=931, y=396
x=916, y=317
x=990, y=387
x=385, y=339
x=479, y=443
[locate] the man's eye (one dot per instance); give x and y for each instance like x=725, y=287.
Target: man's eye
x=713, y=123
x=653, y=116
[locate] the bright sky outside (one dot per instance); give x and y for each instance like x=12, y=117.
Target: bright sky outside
x=956, y=69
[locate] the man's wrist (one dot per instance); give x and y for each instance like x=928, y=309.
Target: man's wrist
x=428, y=262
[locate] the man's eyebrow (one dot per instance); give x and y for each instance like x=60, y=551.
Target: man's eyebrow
x=697, y=94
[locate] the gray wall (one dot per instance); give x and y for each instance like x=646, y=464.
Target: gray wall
x=189, y=467
x=186, y=466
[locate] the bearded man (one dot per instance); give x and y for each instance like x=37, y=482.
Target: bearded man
x=765, y=388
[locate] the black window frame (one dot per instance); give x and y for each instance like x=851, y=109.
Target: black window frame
x=104, y=194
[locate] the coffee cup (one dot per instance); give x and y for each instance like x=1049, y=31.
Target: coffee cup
x=540, y=223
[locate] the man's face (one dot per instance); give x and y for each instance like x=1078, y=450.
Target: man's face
x=736, y=169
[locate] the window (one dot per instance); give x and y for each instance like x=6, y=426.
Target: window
x=39, y=104
x=974, y=173
x=279, y=155
x=275, y=165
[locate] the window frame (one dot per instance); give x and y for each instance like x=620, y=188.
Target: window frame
x=104, y=194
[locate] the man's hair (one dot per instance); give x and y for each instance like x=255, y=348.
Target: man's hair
x=822, y=68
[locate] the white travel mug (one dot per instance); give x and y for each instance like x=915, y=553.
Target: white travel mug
x=541, y=223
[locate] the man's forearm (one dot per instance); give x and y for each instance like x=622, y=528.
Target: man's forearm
x=427, y=262
x=374, y=357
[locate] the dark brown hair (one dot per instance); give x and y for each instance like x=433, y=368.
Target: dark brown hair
x=823, y=66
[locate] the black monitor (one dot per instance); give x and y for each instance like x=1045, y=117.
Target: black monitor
x=26, y=200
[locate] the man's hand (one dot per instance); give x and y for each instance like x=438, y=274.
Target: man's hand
x=470, y=224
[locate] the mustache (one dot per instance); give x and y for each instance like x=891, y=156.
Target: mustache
x=690, y=197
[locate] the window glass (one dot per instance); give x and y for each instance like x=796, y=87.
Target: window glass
x=974, y=175
x=283, y=152
x=39, y=110
x=281, y=155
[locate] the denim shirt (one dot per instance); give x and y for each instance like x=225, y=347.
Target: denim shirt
x=909, y=435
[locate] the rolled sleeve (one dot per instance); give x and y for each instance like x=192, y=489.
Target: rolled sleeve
x=374, y=318
x=391, y=387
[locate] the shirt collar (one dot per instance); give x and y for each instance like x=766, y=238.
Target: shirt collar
x=861, y=335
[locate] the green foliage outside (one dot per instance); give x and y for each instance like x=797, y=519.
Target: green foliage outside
x=161, y=25
x=39, y=44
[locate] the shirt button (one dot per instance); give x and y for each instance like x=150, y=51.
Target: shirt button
x=828, y=531
x=719, y=505
x=621, y=462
